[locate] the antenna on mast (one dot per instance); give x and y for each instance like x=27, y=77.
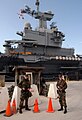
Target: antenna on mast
x=37, y=4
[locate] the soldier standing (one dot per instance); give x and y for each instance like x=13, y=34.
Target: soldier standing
x=25, y=93
x=61, y=86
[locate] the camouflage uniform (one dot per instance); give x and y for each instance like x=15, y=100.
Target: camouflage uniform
x=61, y=86
x=25, y=93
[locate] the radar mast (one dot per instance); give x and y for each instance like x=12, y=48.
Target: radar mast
x=37, y=4
x=43, y=17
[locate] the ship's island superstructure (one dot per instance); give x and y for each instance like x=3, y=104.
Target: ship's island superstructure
x=42, y=47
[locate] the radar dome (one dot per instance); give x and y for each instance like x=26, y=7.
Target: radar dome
x=27, y=25
x=50, y=12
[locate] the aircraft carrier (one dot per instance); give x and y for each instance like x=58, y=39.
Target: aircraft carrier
x=42, y=47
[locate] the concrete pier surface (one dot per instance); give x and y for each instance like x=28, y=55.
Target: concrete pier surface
x=74, y=103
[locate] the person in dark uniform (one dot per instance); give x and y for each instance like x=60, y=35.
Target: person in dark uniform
x=25, y=86
x=61, y=87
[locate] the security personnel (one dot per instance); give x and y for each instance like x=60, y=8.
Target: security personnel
x=61, y=86
x=25, y=93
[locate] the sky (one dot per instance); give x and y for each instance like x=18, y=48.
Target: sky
x=67, y=15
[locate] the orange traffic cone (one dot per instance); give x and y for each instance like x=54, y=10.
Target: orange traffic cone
x=36, y=109
x=8, y=112
x=50, y=108
x=14, y=111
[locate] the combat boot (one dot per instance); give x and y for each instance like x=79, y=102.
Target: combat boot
x=26, y=108
x=20, y=111
x=60, y=108
x=65, y=111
